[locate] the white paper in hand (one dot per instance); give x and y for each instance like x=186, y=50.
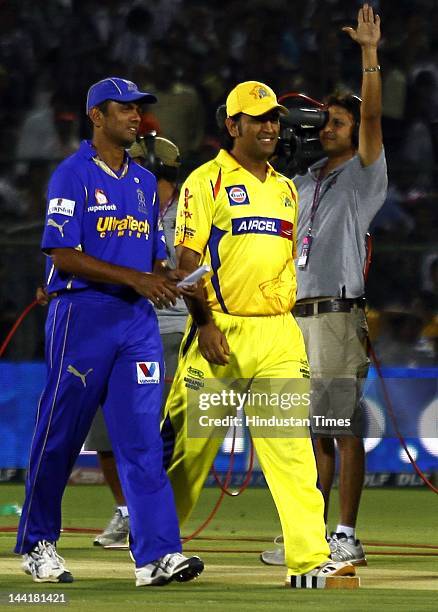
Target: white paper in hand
x=194, y=276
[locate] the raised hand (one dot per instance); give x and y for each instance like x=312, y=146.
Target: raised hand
x=367, y=33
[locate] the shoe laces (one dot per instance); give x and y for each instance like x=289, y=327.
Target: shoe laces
x=47, y=551
x=336, y=542
x=341, y=538
x=170, y=561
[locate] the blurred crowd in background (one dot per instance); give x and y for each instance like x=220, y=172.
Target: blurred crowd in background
x=190, y=53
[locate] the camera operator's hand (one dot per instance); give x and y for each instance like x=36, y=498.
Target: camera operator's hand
x=367, y=33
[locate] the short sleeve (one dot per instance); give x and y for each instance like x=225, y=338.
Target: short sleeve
x=194, y=215
x=295, y=198
x=370, y=184
x=66, y=198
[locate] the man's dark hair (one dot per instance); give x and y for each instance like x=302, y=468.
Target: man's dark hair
x=226, y=140
x=352, y=104
x=103, y=106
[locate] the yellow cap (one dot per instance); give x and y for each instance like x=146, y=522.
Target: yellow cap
x=252, y=98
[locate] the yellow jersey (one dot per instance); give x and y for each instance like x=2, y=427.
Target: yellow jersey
x=245, y=229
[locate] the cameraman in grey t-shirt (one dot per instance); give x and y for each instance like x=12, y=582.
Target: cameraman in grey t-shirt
x=338, y=198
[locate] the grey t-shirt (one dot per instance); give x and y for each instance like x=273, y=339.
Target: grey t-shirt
x=171, y=320
x=349, y=198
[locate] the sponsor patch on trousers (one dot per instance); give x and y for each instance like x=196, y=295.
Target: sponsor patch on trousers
x=148, y=372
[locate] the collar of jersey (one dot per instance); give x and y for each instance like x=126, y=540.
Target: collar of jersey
x=229, y=163
x=88, y=150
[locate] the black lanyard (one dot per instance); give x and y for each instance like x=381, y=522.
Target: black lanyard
x=303, y=259
x=317, y=197
x=315, y=205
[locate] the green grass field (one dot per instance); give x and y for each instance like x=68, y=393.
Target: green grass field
x=402, y=578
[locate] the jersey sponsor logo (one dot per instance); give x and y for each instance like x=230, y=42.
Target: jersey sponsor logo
x=262, y=225
x=61, y=206
x=194, y=379
x=128, y=224
x=187, y=197
x=195, y=372
x=100, y=196
x=183, y=232
x=101, y=208
x=59, y=226
x=237, y=195
x=148, y=372
x=72, y=370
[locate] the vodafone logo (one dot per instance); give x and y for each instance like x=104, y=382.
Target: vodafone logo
x=237, y=195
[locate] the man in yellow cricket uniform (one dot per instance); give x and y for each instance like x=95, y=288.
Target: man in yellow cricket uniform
x=237, y=214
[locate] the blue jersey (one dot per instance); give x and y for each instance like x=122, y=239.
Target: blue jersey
x=113, y=217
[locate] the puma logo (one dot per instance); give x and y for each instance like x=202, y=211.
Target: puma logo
x=75, y=372
x=59, y=227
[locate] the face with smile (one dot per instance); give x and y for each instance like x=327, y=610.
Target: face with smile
x=255, y=137
x=336, y=136
x=119, y=123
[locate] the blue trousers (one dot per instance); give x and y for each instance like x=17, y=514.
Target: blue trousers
x=102, y=350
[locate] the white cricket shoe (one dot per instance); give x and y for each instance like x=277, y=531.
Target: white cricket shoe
x=274, y=557
x=173, y=566
x=316, y=578
x=346, y=548
x=45, y=565
x=116, y=533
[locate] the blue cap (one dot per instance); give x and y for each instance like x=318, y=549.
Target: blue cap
x=119, y=90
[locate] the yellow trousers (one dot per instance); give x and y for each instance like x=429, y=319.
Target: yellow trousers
x=268, y=349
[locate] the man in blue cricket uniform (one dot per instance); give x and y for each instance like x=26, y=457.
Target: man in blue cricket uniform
x=106, y=265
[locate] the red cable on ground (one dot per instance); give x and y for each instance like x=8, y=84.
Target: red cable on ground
x=224, y=487
x=394, y=422
x=15, y=326
x=246, y=481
